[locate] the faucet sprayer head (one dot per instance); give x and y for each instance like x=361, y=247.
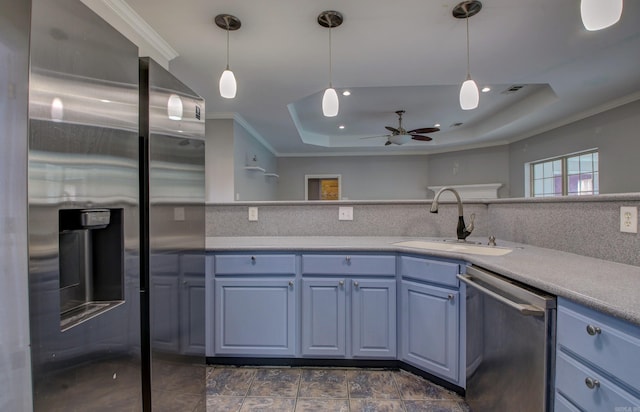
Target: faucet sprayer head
x=434, y=207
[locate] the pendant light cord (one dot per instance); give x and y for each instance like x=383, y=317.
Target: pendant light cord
x=228, y=45
x=468, y=59
x=330, y=61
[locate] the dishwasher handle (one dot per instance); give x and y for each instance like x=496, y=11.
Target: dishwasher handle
x=523, y=308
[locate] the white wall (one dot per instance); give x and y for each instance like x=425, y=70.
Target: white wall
x=229, y=148
x=615, y=133
x=466, y=167
x=219, y=161
x=253, y=185
x=363, y=177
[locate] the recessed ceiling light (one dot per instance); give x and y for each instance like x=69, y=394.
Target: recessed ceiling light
x=436, y=125
x=341, y=126
x=486, y=89
x=346, y=93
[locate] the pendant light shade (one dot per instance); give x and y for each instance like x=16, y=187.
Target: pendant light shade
x=174, y=107
x=57, y=110
x=469, y=96
x=227, y=84
x=330, y=102
x=600, y=14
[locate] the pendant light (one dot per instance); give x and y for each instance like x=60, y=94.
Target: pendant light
x=469, y=95
x=330, y=103
x=174, y=107
x=227, y=84
x=600, y=14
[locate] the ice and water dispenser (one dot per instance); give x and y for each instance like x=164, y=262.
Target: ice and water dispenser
x=91, y=251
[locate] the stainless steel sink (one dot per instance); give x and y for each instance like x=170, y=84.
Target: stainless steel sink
x=460, y=247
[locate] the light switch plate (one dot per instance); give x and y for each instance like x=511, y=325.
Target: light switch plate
x=629, y=219
x=345, y=213
x=253, y=214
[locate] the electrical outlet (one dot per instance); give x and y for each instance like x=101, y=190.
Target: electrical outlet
x=345, y=213
x=253, y=214
x=629, y=219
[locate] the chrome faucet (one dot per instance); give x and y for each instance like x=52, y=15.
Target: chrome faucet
x=463, y=231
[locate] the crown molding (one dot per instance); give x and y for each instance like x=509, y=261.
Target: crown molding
x=141, y=28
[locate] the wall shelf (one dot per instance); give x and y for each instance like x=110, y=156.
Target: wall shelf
x=255, y=168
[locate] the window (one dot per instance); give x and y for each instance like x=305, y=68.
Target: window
x=574, y=174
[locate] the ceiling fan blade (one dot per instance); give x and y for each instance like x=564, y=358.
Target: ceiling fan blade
x=421, y=138
x=392, y=129
x=424, y=130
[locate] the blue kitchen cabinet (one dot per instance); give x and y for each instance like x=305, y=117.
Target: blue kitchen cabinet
x=177, y=293
x=254, y=304
x=324, y=317
x=373, y=318
x=430, y=316
x=372, y=324
x=349, y=306
x=255, y=316
x=597, y=361
x=164, y=302
x=192, y=304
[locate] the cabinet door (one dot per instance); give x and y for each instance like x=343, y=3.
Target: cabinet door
x=192, y=322
x=165, y=326
x=192, y=304
x=255, y=316
x=430, y=328
x=373, y=321
x=323, y=317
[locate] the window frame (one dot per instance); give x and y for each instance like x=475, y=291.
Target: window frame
x=564, y=159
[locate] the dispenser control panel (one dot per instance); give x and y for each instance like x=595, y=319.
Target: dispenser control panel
x=93, y=218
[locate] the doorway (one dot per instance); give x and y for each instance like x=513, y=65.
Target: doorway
x=323, y=187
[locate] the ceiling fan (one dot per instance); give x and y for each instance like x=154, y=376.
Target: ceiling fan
x=401, y=136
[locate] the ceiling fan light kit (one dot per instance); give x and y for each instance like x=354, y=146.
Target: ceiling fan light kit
x=330, y=102
x=228, y=86
x=469, y=95
x=600, y=14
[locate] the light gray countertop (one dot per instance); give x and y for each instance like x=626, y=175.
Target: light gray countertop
x=612, y=288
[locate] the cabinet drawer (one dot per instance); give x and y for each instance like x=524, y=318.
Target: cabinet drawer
x=430, y=270
x=570, y=382
x=255, y=264
x=614, y=347
x=347, y=264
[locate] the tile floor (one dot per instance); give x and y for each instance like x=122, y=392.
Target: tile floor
x=325, y=389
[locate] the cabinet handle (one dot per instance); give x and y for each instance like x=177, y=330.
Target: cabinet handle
x=355, y=283
x=253, y=259
x=341, y=283
x=592, y=383
x=450, y=296
x=593, y=330
x=348, y=259
x=291, y=283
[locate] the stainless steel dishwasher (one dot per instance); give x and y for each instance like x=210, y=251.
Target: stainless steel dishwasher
x=511, y=330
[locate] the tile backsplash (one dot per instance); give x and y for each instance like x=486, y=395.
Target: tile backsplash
x=585, y=226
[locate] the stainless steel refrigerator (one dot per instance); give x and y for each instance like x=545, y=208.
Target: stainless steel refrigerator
x=115, y=223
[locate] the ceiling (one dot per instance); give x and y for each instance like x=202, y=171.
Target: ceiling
x=405, y=54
